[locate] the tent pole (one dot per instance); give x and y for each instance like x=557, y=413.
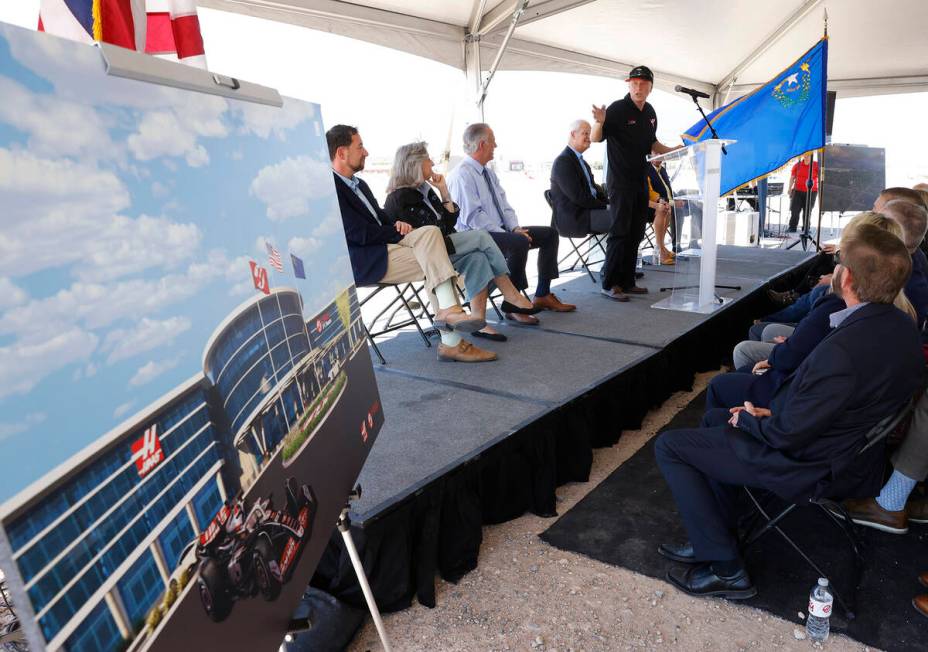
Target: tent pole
x=516, y=14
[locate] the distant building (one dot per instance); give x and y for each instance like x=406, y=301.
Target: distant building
x=97, y=539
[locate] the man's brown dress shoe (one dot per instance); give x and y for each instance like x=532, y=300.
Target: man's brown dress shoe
x=923, y=579
x=920, y=602
x=528, y=320
x=636, y=290
x=464, y=352
x=867, y=512
x=552, y=303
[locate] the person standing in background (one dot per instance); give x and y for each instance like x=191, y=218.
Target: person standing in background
x=798, y=190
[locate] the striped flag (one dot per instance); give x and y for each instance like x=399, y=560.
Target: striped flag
x=174, y=31
x=273, y=257
x=166, y=28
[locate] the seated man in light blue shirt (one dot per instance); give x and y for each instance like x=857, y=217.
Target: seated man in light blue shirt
x=475, y=188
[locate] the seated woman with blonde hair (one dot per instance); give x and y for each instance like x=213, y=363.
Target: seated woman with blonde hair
x=413, y=199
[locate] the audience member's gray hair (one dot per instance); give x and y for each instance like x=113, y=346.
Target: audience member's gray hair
x=913, y=220
x=576, y=124
x=474, y=135
x=407, y=166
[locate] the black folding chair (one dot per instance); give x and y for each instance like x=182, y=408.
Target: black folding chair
x=764, y=520
x=390, y=317
x=591, y=241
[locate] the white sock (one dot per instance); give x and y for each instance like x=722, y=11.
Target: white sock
x=450, y=339
x=444, y=293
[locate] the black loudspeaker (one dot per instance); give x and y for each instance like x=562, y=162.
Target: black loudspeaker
x=830, y=112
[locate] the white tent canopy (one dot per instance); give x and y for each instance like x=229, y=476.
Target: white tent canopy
x=718, y=46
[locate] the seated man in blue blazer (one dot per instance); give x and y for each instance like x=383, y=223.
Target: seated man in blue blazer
x=864, y=369
x=579, y=203
x=383, y=251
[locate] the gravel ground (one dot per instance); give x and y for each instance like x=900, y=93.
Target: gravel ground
x=527, y=595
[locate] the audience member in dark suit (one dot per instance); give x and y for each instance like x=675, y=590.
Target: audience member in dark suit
x=864, y=370
x=474, y=254
x=889, y=510
x=728, y=390
x=579, y=203
x=383, y=251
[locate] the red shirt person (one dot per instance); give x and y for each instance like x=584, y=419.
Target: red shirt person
x=798, y=185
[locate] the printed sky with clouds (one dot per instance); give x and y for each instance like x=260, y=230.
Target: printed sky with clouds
x=130, y=212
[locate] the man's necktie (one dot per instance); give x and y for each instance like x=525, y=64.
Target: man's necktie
x=499, y=209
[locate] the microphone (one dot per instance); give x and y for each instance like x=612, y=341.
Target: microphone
x=691, y=92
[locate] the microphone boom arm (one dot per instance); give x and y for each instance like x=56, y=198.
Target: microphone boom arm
x=706, y=118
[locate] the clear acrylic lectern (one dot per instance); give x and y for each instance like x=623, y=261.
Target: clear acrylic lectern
x=695, y=174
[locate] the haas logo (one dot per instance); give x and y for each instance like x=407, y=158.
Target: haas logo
x=147, y=451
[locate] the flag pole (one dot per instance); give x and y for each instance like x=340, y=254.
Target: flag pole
x=821, y=156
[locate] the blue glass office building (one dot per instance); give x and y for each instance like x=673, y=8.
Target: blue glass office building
x=102, y=533
x=98, y=544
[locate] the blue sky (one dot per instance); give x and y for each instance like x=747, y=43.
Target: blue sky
x=131, y=212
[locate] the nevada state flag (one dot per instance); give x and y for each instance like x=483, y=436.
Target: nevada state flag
x=782, y=119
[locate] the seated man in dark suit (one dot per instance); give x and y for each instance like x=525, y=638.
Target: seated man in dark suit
x=383, y=251
x=579, y=203
x=864, y=370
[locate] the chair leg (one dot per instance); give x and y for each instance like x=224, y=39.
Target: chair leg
x=415, y=321
x=773, y=523
x=425, y=311
x=499, y=313
x=370, y=338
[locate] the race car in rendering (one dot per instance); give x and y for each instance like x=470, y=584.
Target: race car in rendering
x=249, y=550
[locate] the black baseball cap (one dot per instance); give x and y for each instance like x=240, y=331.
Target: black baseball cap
x=641, y=72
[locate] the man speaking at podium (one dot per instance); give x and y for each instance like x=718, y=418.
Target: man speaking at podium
x=629, y=127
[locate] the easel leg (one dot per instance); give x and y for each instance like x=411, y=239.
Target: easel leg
x=344, y=526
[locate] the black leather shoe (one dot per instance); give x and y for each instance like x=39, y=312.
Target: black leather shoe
x=682, y=552
x=702, y=581
x=505, y=306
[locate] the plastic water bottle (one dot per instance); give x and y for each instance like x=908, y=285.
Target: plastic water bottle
x=820, y=603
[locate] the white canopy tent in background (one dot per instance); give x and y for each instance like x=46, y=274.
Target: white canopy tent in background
x=722, y=47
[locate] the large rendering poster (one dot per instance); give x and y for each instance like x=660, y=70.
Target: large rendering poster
x=186, y=396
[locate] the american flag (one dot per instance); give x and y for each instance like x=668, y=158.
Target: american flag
x=166, y=28
x=273, y=257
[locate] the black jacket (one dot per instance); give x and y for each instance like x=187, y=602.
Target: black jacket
x=862, y=371
x=367, y=240
x=408, y=205
x=571, y=195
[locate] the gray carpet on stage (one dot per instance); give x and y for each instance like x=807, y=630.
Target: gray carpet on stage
x=439, y=415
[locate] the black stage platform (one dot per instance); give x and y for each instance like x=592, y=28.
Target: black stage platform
x=465, y=445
